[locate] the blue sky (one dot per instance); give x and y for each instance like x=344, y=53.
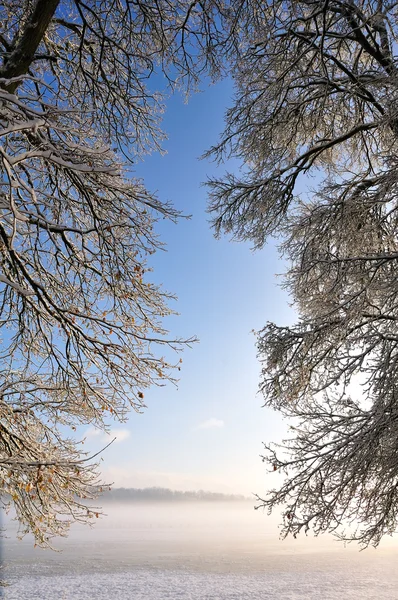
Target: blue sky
x=208, y=432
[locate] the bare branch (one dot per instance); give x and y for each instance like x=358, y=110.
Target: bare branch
x=316, y=91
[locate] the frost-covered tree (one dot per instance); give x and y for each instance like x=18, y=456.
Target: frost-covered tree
x=317, y=95
x=80, y=320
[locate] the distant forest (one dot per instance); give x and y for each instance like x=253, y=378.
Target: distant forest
x=158, y=494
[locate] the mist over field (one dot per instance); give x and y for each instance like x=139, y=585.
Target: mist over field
x=193, y=549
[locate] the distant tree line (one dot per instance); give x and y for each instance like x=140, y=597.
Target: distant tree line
x=159, y=494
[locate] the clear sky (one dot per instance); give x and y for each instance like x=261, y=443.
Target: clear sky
x=208, y=432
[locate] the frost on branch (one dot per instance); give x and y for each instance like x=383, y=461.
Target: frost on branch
x=316, y=95
x=80, y=320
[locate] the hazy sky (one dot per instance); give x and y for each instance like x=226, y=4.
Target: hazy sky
x=208, y=433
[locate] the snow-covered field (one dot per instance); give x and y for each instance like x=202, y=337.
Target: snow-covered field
x=195, y=553
x=143, y=584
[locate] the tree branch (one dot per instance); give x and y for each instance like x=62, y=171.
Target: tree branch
x=22, y=55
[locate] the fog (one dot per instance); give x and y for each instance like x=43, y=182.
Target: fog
x=210, y=536
x=197, y=550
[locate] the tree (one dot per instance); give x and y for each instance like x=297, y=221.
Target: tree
x=316, y=95
x=81, y=323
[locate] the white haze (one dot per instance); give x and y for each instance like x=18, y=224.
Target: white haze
x=198, y=551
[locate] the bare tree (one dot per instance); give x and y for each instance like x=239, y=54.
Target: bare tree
x=81, y=322
x=317, y=91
